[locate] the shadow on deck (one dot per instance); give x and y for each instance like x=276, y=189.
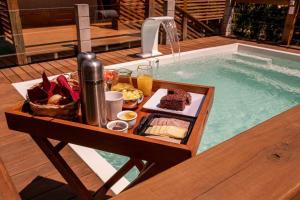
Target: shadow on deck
x=48, y=189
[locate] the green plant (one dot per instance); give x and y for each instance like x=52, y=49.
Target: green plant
x=259, y=21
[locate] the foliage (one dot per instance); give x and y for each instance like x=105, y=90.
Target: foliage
x=259, y=22
x=296, y=38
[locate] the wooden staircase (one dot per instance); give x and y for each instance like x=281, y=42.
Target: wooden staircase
x=5, y=26
x=204, y=10
x=195, y=19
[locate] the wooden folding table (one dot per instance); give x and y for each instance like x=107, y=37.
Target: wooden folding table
x=150, y=156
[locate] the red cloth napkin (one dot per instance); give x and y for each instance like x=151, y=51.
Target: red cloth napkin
x=40, y=95
x=50, y=87
x=66, y=90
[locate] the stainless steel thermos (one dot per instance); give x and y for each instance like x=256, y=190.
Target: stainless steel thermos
x=92, y=89
x=80, y=58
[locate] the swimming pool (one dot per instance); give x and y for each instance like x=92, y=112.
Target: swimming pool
x=252, y=85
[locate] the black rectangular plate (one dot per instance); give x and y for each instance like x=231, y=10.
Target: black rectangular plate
x=146, y=121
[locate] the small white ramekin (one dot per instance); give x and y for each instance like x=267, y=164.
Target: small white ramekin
x=111, y=124
x=130, y=122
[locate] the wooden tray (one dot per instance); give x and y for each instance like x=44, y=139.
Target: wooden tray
x=159, y=155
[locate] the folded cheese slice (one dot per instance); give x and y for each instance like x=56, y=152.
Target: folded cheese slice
x=170, y=131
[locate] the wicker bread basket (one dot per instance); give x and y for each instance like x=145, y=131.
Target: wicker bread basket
x=68, y=111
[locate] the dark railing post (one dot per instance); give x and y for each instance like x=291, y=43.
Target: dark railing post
x=184, y=27
x=16, y=31
x=115, y=20
x=149, y=8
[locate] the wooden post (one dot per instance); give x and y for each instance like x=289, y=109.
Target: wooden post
x=184, y=27
x=149, y=8
x=82, y=17
x=290, y=21
x=16, y=31
x=115, y=20
x=227, y=19
x=169, y=10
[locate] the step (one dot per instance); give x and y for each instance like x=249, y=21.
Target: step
x=70, y=46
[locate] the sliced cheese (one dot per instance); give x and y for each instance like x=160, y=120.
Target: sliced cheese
x=176, y=132
x=170, y=131
x=148, y=131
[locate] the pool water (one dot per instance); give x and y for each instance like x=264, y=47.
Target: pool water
x=248, y=91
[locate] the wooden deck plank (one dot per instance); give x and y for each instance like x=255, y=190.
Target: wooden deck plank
x=7, y=189
x=105, y=59
x=117, y=56
x=71, y=66
x=248, y=166
x=32, y=72
x=50, y=68
x=113, y=58
x=59, y=66
x=3, y=78
x=21, y=73
x=11, y=75
x=40, y=69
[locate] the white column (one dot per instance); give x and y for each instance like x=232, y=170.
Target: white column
x=82, y=17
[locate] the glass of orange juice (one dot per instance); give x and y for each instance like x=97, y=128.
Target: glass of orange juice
x=145, y=79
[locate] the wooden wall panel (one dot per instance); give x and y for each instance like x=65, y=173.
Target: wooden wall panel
x=38, y=13
x=273, y=2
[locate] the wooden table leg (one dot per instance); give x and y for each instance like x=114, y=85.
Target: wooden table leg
x=63, y=168
x=150, y=170
x=117, y=176
x=139, y=164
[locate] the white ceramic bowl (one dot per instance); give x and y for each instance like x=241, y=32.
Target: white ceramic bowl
x=131, y=122
x=112, y=124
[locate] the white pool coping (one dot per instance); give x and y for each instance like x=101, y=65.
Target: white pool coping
x=95, y=161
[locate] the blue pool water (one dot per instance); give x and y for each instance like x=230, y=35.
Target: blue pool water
x=249, y=90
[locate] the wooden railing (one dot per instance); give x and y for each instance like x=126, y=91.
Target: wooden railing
x=190, y=22
x=188, y=26
x=132, y=14
x=203, y=10
x=5, y=26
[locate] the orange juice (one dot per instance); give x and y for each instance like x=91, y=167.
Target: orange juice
x=145, y=84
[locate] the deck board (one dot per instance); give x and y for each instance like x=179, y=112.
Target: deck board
x=40, y=69
x=261, y=163
x=31, y=71
x=33, y=175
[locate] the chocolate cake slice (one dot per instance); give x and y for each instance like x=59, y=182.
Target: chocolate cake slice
x=173, y=102
x=181, y=92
